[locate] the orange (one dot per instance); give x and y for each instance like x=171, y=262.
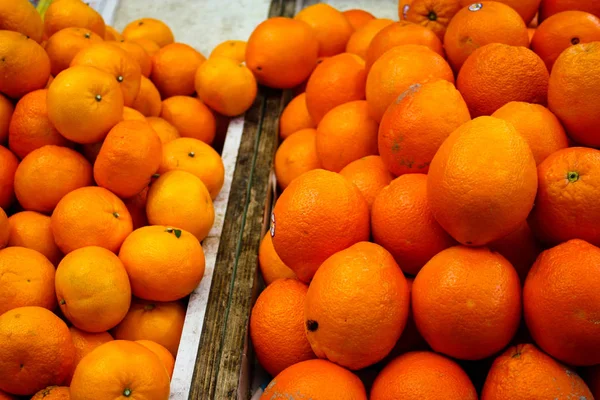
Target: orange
x=72, y=13
x=565, y=206
x=196, y=157
x=36, y=350
x=571, y=93
x=467, y=302
x=358, y=18
x=296, y=155
x=282, y=52
x=93, y=289
x=335, y=81
x=180, y=199
x=333, y=208
x=30, y=128
x=130, y=114
x=174, y=69
x=524, y=372
x=129, y=156
x=360, y=40
x=433, y=14
x=84, y=343
x=551, y=7
x=160, y=322
x=497, y=185
x=315, y=379
x=148, y=100
x=53, y=393
x=400, y=68
x=149, y=45
x=32, y=230
x=332, y=28
x=399, y=34
x=423, y=375
x=364, y=271
x=527, y=9
x=165, y=131
x=191, y=117
x=111, y=34
x=4, y=229
x=563, y=30
x=149, y=28
x=271, y=266
x=479, y=24
x=27, y=279
x=137, y=52
x=90, y=216
x=295, y=117
x=415, y=125
x=26, y=66
x=136, y=206
x=234, y=49
x=162, y=353
x=84, y=103
x=560, y=300
x=47, y=174
x=6, y=112
x=21, y=16
x=9, y=164
x=277, y=326
x=65, y=44
x=402, y=222
x=120, y=369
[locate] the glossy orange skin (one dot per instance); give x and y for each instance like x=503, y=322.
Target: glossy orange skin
x=369, y=174
x=72, y=13
x=296, y=155
x=162, y=353
x=148, y=100
x=295, y=116
x=361, y=39
x=527, y=9
x=137, y=52
x=234, y=49
x=191, y=117
x=433, y=14
x=65, y=44
x=271, y=266
x=332, y=28
x=174, y=69
x=85, y=343
x=149, y=29
x=53, y=393
x=21, y=16
x=551, y=7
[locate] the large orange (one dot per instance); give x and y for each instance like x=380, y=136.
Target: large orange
x=53, y=393
x=433, y=14
x=551, y=7
x=174, y=69
x=148, y=100
x=399, y=68
x=36, y=350
x=234, y=49
x=360, y=40
x=90, y=216
x=423, y=375
x=162, y=353
x=120, y=369
x=191, y=117
x=21, y=16
x=6, y=111
x=47, y=174
x=331, y=27
x=9, y=164
x=32, y=230
x=84, y=343
x=282, y=52
x=358, y=18
x=417, y=123
x=333, y=208
x=317, y=379
x=296, y=155
x=467, y=302
x=527, y=9
x=65, y=44
x=149, y=28
x=479, y=24
x=369, y=174
x=137, y=52
x=295, y=117
x=571, y=93
x=271, y=266
x=497, y=184
x=165, y=131
x=72, y=13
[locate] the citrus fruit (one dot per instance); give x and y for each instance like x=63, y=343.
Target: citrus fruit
x=527, y=9
x=295, y=116
x=137, y=52
x=149, y=28
x=435, y=15
x=296, y=155
x=148, y=100
x=234, y=49
x=6, y=113
x=358, y=18
x=21, y=16
x=72, y=13
x=551, y=7
x=332, y=28
x=361, y=39
x=174, y=69
x=191, y=117
x=4, y=229
x=130, y=114
x=111, y=34
x=65, y=44
x=271, y=266
x=9, y=164
x=165, y=131
x=162, y=353
x=32, y=230
x=369, y=175
x=84, y=343
x=53, y=393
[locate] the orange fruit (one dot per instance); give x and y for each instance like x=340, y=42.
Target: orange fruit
x=36, y=350
x=9, y=164
x=27, y=279
x=561, y=304
x=72, y=13
x=360, y=40
x=84, y=343
x=467, y=302
x=84, y=103
x=551, y=7
x=527, y=9
x=148, y=100
x=234, y=49
x=435, y=15
x=313, y=378
x=162, y=353
x=369, y=175
x=130, y=114
x=563, y=30
x=26, y=66
x=398, y=69
x=137, y=52
x=149, y=28
x=6, y=112
x=479, y=24
x=570, y=92
x=111, y=34
x=319, y=199
x=65, y=44
x=180, y=199
x=296, y=155
x=399, y=34
x=21, y=16
x=136, y=206
x=277, y=326
x=271, y=266
x=47, y=174
x=174, y=69
x=282, y=52
x=32, y=230
x=498, y=181
x=191, y=117
x=165, y=131
x=332, y=28
x=90, y=216
x=524, y=372
x=4, y=229
x=196, y=157
x=402, y=222
x=30, y=127
x=415, y=125
x=295, y=117
x=120, y=368
x=149, y=45
x=423, y=375
x=160, y=322
x=53, y=393
x=358, y=18
x=565, y=206
x=531, y=33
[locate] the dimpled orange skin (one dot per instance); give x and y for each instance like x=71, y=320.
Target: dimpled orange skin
x=174, y=68
x=423, y=375
x=317, y=379
x=271, y=266
x=433, y=14
x=65, y=44
x=524, y=372
x=369, y=174
x=53, y=393
x=551, y=7
x=482, y=182
x=21, y=16
x=417, y=123
x=317, y=215
x=361, y=39
x=527, y=9
x=295, y=117
x=295, y=156
x=331, y=26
